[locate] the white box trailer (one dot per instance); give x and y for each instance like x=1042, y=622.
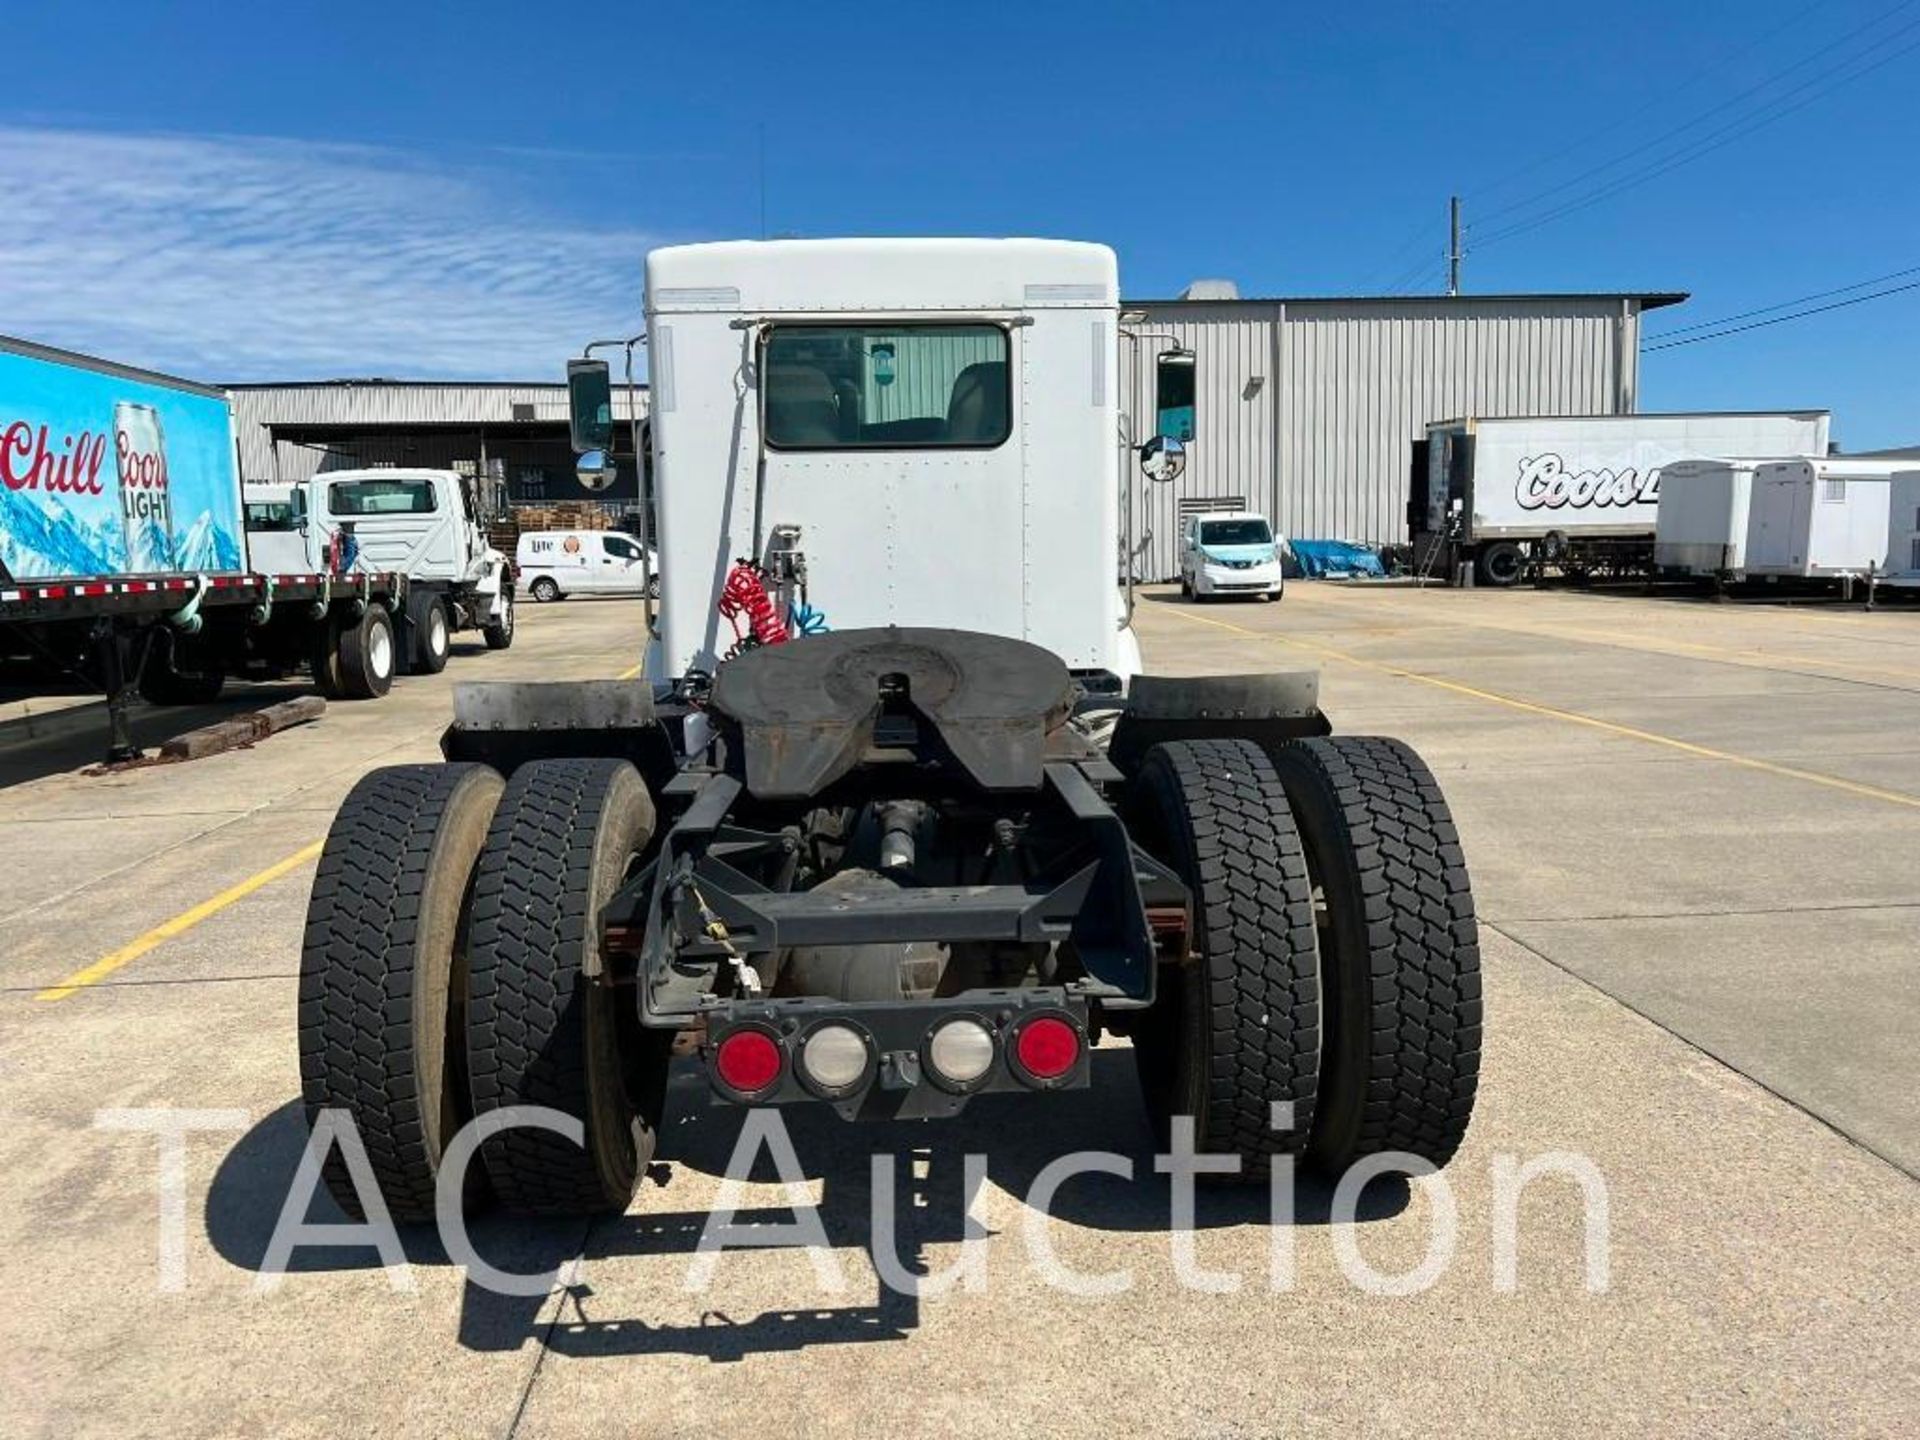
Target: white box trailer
x=1701, y=526
x=1582, y=489
x=1819, y=518
x=1903, y=528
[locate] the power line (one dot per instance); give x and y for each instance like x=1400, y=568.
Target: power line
x=1649, y=105
x=1785, y=304
x=1678, y=130
x=1782, y=319
x=1718, y=139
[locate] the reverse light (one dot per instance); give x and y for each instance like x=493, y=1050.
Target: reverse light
x=833, y=1057
x=748, y=1061
x=960, y=1052
x=1047, y=1047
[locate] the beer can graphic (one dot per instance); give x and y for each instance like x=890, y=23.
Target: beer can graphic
x=146, y=504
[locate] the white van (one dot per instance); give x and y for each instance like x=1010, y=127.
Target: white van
x=554, y=564
x=1229, y=553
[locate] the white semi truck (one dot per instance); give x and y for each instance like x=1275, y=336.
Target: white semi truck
x=1582, y=491
x=423, y=524
x=932, y=852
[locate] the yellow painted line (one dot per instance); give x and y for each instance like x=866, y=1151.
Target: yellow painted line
x=630, y=671
x=1573, y=717
x=178, y=925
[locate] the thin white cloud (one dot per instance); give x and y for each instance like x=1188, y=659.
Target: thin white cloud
x=236, y=258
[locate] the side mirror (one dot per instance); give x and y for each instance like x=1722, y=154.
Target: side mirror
x=595, y=469
x=1163, y=458
x=590, y=405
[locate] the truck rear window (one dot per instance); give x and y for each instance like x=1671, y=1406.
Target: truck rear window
x=887, y=387
x=380, y=497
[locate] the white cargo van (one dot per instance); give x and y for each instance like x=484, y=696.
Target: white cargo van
x=554, y=564
x=1229, y=553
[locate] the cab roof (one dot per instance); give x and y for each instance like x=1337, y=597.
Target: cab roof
x=827, y=276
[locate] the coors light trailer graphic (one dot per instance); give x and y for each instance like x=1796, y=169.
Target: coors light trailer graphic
x=108, y=471
x=1579, y=491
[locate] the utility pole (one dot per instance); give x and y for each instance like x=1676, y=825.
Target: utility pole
x=1453, y=247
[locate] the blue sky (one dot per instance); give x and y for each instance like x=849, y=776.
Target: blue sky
x=284, y=190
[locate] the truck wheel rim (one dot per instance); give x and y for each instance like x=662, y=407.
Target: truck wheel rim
x=437, y=633
x=380, y=652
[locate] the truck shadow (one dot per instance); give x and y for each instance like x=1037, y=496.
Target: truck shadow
x=63, y=738
x=926, y=1162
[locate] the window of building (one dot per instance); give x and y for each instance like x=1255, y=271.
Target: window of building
x=887, y=387
x=380, y=497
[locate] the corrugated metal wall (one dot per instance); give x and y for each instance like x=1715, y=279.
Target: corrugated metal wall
x=1307, y=409
x=367, y=405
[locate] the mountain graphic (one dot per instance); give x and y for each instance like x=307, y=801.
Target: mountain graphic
x=206, y=547
x=40, y=538
x=149, y=547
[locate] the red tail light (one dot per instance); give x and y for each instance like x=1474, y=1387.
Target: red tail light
x=748, y=1061
x=1047, y=1047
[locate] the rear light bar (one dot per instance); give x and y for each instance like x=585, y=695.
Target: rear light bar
x=901, y=1059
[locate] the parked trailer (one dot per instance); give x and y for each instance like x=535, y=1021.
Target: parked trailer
x=1820, y=518
x=1903, y=529
x=1701, y=529
x=123, y=547
x=1582, y=491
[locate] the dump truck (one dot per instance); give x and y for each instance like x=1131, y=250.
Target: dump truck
x=893, y=818
x=123, y=548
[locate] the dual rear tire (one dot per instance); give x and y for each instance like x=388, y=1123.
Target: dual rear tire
x=1335, y=969
x=450, y=971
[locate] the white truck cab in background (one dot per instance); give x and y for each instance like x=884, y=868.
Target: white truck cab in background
x=1230, y=553
x=553, y=564
x=933, y=424
x=424, y=524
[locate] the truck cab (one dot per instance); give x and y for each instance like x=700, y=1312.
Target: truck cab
x=1230, y=553
x=424, y=524
x=931, y=424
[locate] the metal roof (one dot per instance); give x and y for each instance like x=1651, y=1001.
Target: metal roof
x=1648, y=299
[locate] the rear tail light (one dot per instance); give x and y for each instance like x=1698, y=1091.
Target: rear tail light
x=960, y=1052
x=834, y=1058
x=1046, y=1047
x=748, y=1061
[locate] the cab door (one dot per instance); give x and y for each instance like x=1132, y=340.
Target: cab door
x=619, y=566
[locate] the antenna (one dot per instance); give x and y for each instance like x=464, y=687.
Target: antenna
x=1453, y=246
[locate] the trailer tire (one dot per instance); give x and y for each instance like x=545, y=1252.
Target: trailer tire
x=499, y=633
x=1399, y=947
x=432, y=635
x=543, y=1030
x=1500, y=563
x=383, y=977
x=1237, y=1031
x=367, y=654
x=544, y=589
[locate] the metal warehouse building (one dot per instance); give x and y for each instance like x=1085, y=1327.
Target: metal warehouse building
x=1307, y=409
x=512, y=437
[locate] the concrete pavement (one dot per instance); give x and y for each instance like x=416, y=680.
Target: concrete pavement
x=1738, y=893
